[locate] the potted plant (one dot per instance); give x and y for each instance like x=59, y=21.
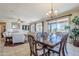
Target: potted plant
x=67, y=27
x=75, y=31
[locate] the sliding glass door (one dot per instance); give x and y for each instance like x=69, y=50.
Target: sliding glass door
x=58, y=25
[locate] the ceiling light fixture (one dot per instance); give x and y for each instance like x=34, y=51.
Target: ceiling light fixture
x=52, y=13
x=19, y=20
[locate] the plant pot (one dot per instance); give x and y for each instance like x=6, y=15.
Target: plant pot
x=76, y=43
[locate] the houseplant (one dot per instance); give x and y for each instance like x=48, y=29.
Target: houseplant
x=75, y=31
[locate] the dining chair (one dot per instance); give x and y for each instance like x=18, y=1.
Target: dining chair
x=39, y=36
x=62, y=46
x=45, y=35
x=35, y=49
x=7, y=37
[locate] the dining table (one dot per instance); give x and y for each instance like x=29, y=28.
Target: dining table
x=50, y=42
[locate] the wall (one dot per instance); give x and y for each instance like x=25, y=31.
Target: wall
x=45, y=26
x=2, y=29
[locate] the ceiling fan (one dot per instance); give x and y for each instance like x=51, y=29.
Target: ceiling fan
x=18, y=20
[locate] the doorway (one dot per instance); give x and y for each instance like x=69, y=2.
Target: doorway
x=2, y=29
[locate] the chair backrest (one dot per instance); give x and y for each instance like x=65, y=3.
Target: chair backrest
x=45, y=35
x=39, y=36
x=63, y=43
x=59, y=33
x=32, y=45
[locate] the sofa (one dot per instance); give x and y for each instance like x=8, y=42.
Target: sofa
x=18, y=38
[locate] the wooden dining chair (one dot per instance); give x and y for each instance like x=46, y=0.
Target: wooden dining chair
x=39, y=36
x=34, y=47
x=62, y=46
x=45, y=35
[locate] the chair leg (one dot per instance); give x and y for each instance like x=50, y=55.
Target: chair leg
x=44, y=51
x=63, y=52
x=66, y=49
x=59, y=54
x=48, y=52
x=30, y=53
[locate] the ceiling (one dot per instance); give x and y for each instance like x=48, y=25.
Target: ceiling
x=30, y=12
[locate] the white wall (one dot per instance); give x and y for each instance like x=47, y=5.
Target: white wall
x=45, y=26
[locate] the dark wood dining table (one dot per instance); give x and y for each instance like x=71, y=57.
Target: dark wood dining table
x=50, y=42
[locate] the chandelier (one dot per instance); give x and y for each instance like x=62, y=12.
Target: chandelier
x=52, y=13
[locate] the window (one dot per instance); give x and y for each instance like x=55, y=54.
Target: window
x=53, y=27
x=58, y=25
x=39, y=27
x=61, y=26
x=24, y=27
